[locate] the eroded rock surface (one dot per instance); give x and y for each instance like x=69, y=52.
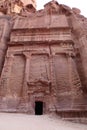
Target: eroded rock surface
x=43, y=59
x=16, y=6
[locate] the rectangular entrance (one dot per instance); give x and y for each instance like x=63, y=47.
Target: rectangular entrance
x=38, y=108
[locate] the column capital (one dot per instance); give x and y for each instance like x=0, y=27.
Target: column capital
x=70, y=54
x=27, y=54
x=9, y=56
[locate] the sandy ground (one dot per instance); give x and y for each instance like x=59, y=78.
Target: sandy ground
x=28, y=122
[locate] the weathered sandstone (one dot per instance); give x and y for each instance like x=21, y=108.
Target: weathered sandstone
x=43, y=59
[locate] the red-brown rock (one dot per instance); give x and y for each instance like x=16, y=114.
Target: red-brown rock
x=45, y=61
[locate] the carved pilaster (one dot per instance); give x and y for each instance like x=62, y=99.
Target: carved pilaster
x=5, y=77
x=53, y=101
x=27, y=67
x=74, y=79
x=26, y=75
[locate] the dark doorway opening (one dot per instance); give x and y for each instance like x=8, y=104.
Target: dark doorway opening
x=38, y=108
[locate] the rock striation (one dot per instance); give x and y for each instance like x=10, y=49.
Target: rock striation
x=43, y=59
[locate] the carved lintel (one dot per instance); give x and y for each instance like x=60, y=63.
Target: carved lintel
x=39, y=89
x=41, y=81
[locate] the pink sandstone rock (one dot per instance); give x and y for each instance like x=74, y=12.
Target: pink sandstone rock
x=43, y=59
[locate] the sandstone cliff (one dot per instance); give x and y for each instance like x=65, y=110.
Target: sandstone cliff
x=43, y=58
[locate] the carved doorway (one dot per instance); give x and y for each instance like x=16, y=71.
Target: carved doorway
x=38, y=108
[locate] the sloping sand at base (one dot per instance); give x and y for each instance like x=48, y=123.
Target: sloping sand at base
x=32, y=122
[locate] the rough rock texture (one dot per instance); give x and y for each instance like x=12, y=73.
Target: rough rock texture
x=17, y=6
x=46, y=60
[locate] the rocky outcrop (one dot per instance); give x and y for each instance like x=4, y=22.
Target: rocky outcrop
x=16, y=6
x=43, y=59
